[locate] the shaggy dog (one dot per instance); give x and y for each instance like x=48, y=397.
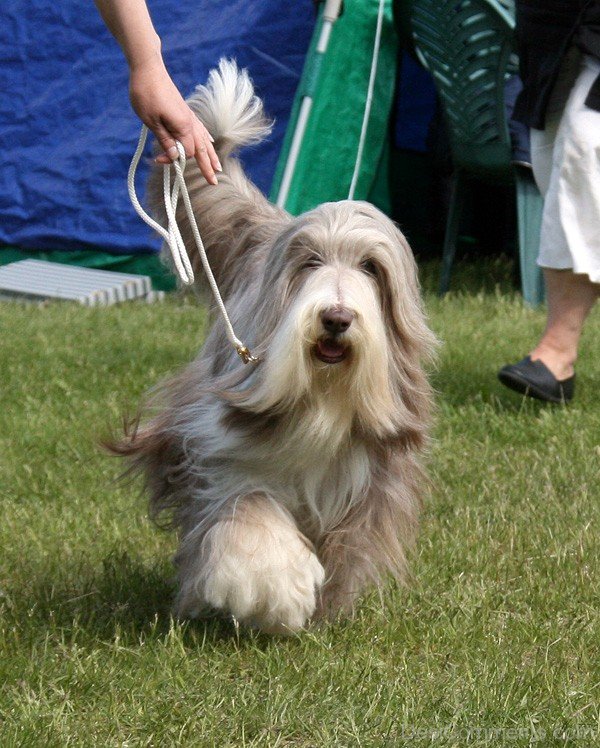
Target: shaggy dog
x=294, y=482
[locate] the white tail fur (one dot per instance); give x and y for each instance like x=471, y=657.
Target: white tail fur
x=229, y=108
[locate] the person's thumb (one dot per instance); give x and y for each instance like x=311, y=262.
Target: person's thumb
x=167, y=148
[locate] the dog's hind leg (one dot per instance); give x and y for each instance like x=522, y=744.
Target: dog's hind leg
x=251, y=562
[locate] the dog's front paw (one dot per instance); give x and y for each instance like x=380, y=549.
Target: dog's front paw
x=271, y=584
x=263, y=571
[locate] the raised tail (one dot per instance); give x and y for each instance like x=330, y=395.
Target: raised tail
x=229, y=108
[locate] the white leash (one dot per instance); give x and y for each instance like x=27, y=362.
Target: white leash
x=369, y=101
x=172, y=235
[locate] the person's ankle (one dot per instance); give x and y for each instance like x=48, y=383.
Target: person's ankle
x=559, y=363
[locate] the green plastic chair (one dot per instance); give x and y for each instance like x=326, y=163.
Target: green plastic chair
x=467, y=46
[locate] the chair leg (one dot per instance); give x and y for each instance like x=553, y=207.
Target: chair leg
x=530, y=205
x=455, y=210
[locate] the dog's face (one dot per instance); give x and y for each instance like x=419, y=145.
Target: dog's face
x=340, y=317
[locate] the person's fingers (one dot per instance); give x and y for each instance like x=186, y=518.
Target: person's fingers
x=211, y=154
x=204, y=162
x=167, y=145
x=214, y=159
x=197, y=142
x=169, y=157
x=169, y=148
x=205, y=156
x=205, y=153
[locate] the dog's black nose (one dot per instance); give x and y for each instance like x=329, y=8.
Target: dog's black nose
x=336, y=321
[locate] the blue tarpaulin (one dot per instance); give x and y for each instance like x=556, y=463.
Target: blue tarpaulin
x=67, y=132
x=415, y=106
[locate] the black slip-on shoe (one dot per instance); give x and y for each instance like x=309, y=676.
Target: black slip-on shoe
x=534, y=379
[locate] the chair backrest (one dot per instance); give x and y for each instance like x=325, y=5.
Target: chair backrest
x=467, y=45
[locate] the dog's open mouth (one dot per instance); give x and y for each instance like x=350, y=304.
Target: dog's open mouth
x=331, y=351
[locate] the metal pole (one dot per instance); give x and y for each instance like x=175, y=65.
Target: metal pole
x=330, y=16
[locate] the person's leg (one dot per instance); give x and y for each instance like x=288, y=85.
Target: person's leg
x=566, y=164
x=570, y=299
x=570, y=224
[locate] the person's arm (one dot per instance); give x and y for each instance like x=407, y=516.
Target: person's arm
x=154, y=96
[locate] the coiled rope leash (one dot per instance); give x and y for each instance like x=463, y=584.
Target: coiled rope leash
x=172, y=235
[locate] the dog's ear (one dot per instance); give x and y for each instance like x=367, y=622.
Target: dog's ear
x=399, y=287
x=279, y=283
x=411, y=343
x=403, y=303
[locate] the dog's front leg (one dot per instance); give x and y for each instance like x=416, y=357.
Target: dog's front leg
x=373, y=539
x=251, y=562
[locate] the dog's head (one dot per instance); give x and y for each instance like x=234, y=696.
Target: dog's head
x=339, y=323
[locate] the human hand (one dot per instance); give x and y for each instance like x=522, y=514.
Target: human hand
x=160, y=106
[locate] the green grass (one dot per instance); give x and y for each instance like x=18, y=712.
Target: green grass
x=494, y=643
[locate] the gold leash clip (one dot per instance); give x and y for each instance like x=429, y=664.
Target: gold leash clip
x=245, y=355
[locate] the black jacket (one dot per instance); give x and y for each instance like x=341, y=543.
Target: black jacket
x=545, y=31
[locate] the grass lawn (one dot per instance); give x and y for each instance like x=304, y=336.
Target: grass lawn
x=496, y=642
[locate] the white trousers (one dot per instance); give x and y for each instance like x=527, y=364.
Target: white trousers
x=566, y=166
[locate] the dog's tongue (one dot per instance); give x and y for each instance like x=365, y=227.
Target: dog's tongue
x=330, y=348
x=330, y=351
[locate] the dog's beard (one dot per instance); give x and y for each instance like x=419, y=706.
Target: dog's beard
x=354, y=387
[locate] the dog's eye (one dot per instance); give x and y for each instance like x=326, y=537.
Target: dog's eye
x=311, y=264
x=369, y=267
